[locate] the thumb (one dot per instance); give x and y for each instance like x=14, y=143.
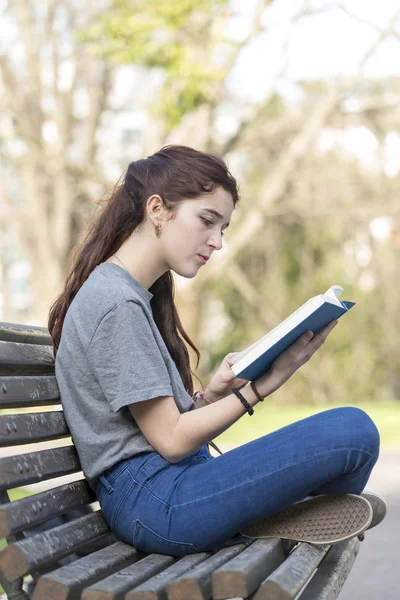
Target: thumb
x=230, y=355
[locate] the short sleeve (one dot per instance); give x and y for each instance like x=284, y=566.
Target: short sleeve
x=126, y=359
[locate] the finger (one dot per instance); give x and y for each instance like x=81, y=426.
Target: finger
x=229, y=356
x=298, y=346
x=320, y=339
x=326, y=331
x=303, y=340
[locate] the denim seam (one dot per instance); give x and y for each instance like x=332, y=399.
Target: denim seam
x=190, y=544
x=111, y=482
x=143, y=486
x=119, y=505
x=271, y=473
x=143, y=467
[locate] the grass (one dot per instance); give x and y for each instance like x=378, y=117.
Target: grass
x=15, y=494
x=269, y=416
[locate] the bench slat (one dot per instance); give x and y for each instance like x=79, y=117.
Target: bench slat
x=288, y=579
x=196, y=584
x=333, y=571
x=24, y=556
x=244, y=573
x=32, y=359
x=155, y=588
x=29, y=511
x=32, y=467
x=115, y=586
x=25, y=334
x=18, y=392
x=68, y=581
x=29, y=428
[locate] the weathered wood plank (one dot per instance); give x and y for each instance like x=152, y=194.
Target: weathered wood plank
x=26, y=391
x=244, y=573
x=29, y=428
x=196, y=584
x=156, y=587
x=29, y=511
x=28, y=468
x=24, y=556
x=25, y=334
x=115, y=586
x=288, y=579
x=67, y=582
x=31, y=359
x=332, y=572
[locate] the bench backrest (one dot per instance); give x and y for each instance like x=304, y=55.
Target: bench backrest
x=30, y=417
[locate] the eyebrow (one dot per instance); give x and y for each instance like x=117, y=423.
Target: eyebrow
x=217, y=214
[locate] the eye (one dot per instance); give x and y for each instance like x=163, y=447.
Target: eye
x=206, y=221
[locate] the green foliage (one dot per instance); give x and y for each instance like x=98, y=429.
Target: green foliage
x=172, y=36
x=312, y=240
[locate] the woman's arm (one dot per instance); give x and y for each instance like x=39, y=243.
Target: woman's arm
x=175, y=435
x=211, y=397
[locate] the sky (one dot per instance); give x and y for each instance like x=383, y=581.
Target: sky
x=325, y=45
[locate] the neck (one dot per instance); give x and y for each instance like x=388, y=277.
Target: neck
x=139, y=256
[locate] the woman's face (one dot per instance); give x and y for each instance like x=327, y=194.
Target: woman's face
x=195, y=230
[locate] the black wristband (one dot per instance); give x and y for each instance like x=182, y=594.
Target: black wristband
x=243, y=400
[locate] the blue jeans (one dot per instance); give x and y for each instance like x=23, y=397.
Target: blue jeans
x=201, y=502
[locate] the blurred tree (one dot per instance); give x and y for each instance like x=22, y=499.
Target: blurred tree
x=305, y=219
x=53, y=94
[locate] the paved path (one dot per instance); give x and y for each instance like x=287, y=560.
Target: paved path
x=375, y=574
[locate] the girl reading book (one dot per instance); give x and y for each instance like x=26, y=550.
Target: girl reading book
x=142, y=433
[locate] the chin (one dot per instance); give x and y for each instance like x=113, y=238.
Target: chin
x=188, y=273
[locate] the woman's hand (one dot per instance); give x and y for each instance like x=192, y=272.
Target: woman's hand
x=223, y=381
x=292, y=359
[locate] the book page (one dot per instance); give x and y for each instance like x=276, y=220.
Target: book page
x=333, y=293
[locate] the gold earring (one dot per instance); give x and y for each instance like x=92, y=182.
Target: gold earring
x=158, y=229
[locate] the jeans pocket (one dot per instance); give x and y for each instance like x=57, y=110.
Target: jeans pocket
x=153, y=465
x=147, y=540
x=109, y=477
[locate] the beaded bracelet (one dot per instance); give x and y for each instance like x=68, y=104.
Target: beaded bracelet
x=243, y=400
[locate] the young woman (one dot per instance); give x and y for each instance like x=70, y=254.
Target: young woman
x=125, y=383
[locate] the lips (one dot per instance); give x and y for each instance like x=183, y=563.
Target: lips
x=205, y=257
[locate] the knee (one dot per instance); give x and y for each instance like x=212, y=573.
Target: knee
x=360, y=428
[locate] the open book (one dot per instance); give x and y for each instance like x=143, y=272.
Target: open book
x=254, y=361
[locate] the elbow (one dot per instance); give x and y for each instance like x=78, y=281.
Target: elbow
x=173, y=454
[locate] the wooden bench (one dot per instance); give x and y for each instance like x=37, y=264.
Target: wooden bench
x=58, y=544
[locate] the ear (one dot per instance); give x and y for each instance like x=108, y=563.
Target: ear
x=155, y=207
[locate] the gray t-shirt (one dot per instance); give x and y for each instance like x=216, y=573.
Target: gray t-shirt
x=111, y=354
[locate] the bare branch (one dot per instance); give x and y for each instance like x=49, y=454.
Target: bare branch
x=287, y=163
x=26, y=22
x=247, y=290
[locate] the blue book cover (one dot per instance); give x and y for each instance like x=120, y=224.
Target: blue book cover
x=313, y=316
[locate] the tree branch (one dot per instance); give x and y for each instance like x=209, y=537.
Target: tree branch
x=286, y=165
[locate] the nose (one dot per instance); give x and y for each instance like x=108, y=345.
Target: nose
x=215, y=241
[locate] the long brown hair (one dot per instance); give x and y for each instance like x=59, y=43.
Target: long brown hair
x=175, y=173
